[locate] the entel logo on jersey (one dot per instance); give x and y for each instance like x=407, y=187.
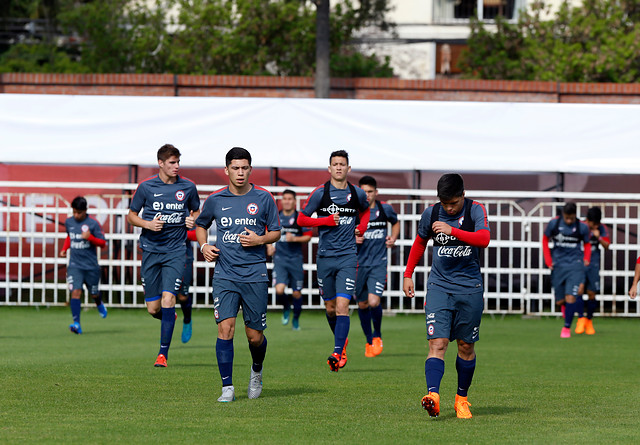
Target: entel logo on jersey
x=252, y=208
x=180, y=195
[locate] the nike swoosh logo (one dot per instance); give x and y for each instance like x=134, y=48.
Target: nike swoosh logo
x=225, y=208
x=157, y=194
x=334, y=197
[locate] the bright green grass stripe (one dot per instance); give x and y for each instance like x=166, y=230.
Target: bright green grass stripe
x=530, y=386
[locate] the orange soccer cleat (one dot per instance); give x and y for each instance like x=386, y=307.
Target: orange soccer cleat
x=580, y=325
x=368, y=350
x=431, y=402
x=462, y=407
x=161, y=361
x=334, y=362
x=377, y=345
x=343, y=358
x=589, y=327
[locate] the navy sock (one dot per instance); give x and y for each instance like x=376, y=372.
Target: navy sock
x=579, y=306
x=465, y=370
x=283, y=300
x=343, y=323
x=591, y=308
x=569, y=310
x=297, y=307
x=224, y=354
x=365, y=322
x=257, y=354
x=376, y=317
x=166, y=329
x=332, y=322
x=76, y=306
x=186, y=308
x=97, y=300
x=433, y=372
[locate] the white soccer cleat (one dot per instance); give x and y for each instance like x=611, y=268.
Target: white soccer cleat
x=228, y=394
x=255, y=384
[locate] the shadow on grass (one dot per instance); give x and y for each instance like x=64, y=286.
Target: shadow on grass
x=295, y=391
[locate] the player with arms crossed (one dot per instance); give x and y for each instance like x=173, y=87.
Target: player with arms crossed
x=454, y=300
x=371, y=278
x=169, y=205
x=288, y=260
x=338, y=206
x=84, y=234
x=567, y=261
x=246, y=219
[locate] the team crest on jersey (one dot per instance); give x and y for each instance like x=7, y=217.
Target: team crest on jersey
x=430, y=330
x=180, y=195
x=349, y=197
x=460, y=221
x=84, y=228
x=252, y=208
x=291, y=221
x=377, y=214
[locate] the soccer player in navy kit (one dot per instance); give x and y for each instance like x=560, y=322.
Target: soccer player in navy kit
x=246, y=219
x=454, y=301
x=371, y=279
x=169, y=205
x=338, y=206
x=84, y=234
x=599, y=236
x=288, y=260
x=567, y=261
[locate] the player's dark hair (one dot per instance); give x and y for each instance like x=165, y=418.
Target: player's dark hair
x=450, y=186
x=339, y=154
x=167, y=151
x=368, y=180
x=288, y=192
x=594, y=214
x=237, y=153
x=569, y=208
x=79, y=203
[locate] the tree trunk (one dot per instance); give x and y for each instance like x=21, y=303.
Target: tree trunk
x=323, y=76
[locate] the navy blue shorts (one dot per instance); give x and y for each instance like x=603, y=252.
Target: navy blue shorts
x=566, y=280
x=162, y=272
x=288, y=273
x=371, y=280
x=592, y=278
x=187, y=276
x=76, y=277
x=455, y=316
x=337, y=276
x=229, y=295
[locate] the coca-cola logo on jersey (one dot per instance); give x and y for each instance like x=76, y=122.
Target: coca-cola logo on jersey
x=174, y=218
x=229, y=237
x=375, y=234
x=454, y=251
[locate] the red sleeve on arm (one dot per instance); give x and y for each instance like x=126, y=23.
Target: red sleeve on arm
x=191, y=235
x=97, y=241
x=476, y=239
x=364, y=220
x=416, y=252
x=67, y=244
x=307, y=221
x=638, y=260
x=587, y=252
x=546, y=251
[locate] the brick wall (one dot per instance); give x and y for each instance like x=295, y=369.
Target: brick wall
x=302, y=87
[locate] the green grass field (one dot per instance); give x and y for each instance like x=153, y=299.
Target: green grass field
x=101, y=387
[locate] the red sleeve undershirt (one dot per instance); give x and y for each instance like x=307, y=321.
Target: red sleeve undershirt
x=364, y=220
x=416, y=252
x=67, y=244
x=308, y=221
x=191, y=235
x=476, y=239
x=547, y=252
x=97, y=241
x=587, y=252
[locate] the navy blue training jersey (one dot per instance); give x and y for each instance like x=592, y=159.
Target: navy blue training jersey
x=567, y=241
x=172, y=203
x=286, y=251
x=455, y=267
x=82, y=252
x=340, y=239
x=373, y=250
x=257, y=211
x=595, y=244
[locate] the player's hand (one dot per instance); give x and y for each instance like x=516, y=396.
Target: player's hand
x=271, y=249
x=596, y=233
x=586, y=263
x=155, y=225
x=336, y=218
x=441, y=227
x=190, y=221
x=210, y=253
x=63, y=253
x=85, y=234
x=249, y=238
x=288, y=237
x=407, y=287
x=391, y=241
x=359, y=239
x=633, y=291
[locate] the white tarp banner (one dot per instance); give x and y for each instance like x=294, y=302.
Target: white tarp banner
x=300, y=133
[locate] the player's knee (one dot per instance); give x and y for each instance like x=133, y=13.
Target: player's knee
x=363, y=304
x=182, y=298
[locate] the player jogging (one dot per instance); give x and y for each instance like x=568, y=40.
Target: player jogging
x=246, y=219
x=288, y=260
x=454, y=300
x=599, y=236
x=342, y=212
x=169, y=205
x=84, y=234
x=371, y=278
x=567, y=261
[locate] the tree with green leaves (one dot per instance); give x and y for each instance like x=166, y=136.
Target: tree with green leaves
x=598, y=41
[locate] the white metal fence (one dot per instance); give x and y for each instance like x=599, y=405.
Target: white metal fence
x=516, y=281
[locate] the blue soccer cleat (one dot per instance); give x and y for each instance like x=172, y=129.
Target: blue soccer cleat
x=75, y=328
x=285, y=317
x=103, y=311
x=186, y=332
x=295, y=324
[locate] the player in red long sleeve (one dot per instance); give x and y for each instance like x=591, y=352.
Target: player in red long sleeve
x=454, y=303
